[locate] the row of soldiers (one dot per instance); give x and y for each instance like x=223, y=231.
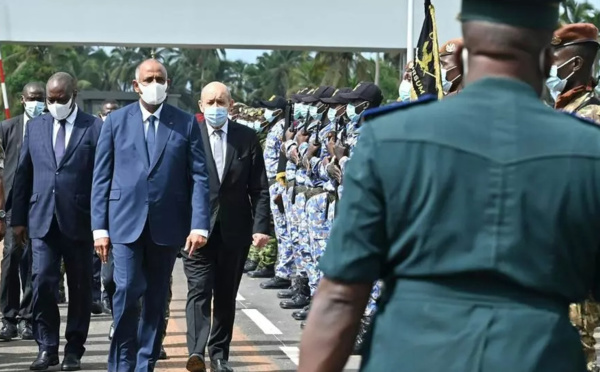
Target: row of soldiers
x=311, y=137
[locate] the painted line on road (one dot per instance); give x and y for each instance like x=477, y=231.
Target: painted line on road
x=262, y=322
x=239, y=297
x=292, y=352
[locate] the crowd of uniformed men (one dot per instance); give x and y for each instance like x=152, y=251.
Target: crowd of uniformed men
x=310, y=137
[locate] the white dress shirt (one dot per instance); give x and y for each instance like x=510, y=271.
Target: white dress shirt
x=25, y=121
x=68, y=127
x=99, y=234
x=213, y=140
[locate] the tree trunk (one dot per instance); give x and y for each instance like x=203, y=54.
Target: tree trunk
x=377, y=68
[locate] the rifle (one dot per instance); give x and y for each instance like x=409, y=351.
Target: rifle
x=281, y=165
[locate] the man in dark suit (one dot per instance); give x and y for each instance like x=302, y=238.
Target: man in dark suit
x=150, y=192
x=239, y=205
x=16, y=260
x=51, y=198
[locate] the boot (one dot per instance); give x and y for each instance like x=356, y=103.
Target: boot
x=292, y=290
x=250, y=266
x=301, y=299
x=301, y=314
x=302, y=325
x=263, y=272
x=363, y=331
x=276, y=283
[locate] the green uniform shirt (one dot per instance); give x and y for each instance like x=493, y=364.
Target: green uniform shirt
x=481, y=213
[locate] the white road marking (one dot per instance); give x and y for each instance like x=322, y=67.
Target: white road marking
x=239, y=297
x=292, y=352
x=262, y=322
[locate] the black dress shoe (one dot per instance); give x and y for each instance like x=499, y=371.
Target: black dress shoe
x=302, y=325
x=195, y=363
x=263, y=272
x=286, y=293
x=97, y=308
x=276, y=283
x=43, y=361
x=296, y=302
x=71, y=362
x=111, y=331
x=25, y=330
x=163, y=354
x=301, y=314
x=220, y=365
x=250, y=266
x=8, y=331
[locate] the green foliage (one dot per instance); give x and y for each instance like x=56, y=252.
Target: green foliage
x=278, y=72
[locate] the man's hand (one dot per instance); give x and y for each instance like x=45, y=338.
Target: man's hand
x=193, y=243
x=339, y=151
x=302, y=137
x=102, y=247
x=334, y=171
x=289, y=134
x=294, y=155
x=260, y=240
x=20, y=234
x=2, y=229
x=312, y=150
x=331, y=145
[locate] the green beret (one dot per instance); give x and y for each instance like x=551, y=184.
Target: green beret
x=532, y=14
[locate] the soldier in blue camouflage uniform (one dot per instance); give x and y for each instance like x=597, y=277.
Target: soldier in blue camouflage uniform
x=303, y=189
x=365, y=95
x=274, y=115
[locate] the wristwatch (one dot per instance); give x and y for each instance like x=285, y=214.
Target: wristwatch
x=2, y=214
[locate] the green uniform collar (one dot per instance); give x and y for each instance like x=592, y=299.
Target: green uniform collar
x=503, y=84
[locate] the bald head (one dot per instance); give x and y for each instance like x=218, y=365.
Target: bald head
x=34, y=87
x=61, y=81
x=150, y=67
x=215, y=94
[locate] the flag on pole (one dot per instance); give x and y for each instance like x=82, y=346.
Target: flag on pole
x=426, y=73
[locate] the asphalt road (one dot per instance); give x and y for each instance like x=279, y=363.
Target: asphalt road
x=266, y=338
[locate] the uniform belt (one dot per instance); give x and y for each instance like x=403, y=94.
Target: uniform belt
x=471, y=289
x=312, y=191
x=272, y=181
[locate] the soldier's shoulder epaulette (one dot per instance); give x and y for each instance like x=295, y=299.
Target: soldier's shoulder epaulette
x=582, y=119
x=378, y=111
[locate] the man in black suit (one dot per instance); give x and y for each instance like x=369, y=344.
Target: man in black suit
x=16, y=260
x=51, y=200
x=239, y=202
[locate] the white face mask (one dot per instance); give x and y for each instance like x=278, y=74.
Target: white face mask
x=60, y=112
x=404, y=90
x=555, y=84
x=447, y=85
x=153, y=93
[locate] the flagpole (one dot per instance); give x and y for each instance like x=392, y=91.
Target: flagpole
x=3, y=88
x=410, y=50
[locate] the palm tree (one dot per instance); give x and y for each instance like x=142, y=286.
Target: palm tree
x=573, y=11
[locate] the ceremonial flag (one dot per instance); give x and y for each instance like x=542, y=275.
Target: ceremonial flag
x=426, y=73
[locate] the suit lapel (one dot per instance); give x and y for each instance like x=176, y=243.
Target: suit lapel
x=19, y=132
x=49, y=126
x=208, y=153
x=135, y=126
x=165, y=126
x=79, y=128
x=231, y=148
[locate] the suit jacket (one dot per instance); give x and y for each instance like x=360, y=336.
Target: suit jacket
x=11, y=134
x=43, y=189
x=241, y=201
x=171, y=194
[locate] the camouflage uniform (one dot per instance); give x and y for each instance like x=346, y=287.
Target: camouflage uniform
x=586, y=316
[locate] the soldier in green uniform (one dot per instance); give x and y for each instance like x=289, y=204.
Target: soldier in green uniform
x=571, y=82
x=480, y=212
x=575, y=50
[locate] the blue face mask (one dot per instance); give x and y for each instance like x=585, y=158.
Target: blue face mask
x=351, y=111
x=34, y=108
x=555, y=84
x=215, y=116
x=447, y=85
x=314, y=110
x=269, y=115
x=404, y=91
x=299, y=110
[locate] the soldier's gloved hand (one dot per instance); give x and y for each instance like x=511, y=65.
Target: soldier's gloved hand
x=339, y=151
x=334, y=171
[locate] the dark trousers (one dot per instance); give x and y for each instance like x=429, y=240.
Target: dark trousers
x=141, y=269
x=107, y=279
x=16, y=276
x=96, y=278
x=213, y=274
x=77, y=256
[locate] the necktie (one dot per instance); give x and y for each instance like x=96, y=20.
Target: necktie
x=218, y=152
x=59, y=144
x=151, y=137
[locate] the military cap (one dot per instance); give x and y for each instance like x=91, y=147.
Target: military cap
x=577, y=33
x=321, y=92
x=297, y=98
x=274, y=103
x=337, y=96
x=365, y=91
x=451, y=46
x=532, y=14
